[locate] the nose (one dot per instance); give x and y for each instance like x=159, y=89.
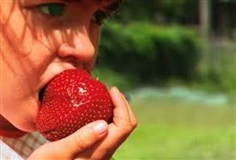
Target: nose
x=79, y=47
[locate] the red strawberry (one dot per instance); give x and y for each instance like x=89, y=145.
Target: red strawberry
x=71, y=100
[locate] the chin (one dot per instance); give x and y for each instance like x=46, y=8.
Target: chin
x=27, y=120
x=19, y=122
x=26, y=125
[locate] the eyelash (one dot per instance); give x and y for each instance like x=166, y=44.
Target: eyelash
x=59, y=9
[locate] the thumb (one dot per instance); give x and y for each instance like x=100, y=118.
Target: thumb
x=76, y=143
x=84, y=138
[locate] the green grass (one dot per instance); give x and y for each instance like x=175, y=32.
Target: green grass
x=170, y=129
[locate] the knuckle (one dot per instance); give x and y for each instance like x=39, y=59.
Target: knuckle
x=127, y=129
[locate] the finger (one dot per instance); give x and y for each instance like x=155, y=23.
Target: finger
x=120, y=129
x=84, y=138
x=121, y=113
x=133, y=118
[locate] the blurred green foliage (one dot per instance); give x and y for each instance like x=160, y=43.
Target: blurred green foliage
x=220, y=76
x=174, y=11
x=159, y=41
x=163, y=11
x=150, y=52
x=113, y=78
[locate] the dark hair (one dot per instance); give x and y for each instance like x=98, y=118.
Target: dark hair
x=114, y=5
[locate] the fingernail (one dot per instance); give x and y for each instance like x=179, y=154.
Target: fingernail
x=100, y=127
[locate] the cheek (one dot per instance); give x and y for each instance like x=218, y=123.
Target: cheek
x=95, y=34
x=24, y=51
x=16, y=29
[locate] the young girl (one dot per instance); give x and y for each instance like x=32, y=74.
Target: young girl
x=40, y=39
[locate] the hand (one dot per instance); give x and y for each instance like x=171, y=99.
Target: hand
x=97, y=140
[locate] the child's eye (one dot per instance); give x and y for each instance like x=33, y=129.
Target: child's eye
x=52, y=9
x=99, y=17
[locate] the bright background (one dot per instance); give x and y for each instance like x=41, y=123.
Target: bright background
x=176, y=62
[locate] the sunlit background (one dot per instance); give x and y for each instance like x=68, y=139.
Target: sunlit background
x=176, y=62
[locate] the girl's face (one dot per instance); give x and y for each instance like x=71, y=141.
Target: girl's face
x=40, y=39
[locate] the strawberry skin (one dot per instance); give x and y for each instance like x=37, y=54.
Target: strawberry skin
x=71, y=100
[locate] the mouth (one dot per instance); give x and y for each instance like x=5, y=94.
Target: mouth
x=41, y=94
